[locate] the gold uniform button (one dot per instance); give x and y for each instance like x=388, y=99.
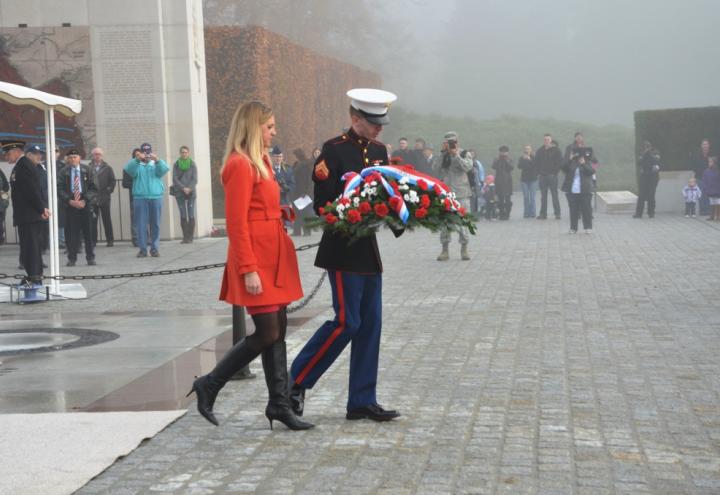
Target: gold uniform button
x=367, y=161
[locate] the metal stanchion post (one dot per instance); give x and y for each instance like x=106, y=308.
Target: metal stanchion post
x=238, y=323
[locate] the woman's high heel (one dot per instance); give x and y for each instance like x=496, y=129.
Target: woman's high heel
x=274, y=360
x=206, y=389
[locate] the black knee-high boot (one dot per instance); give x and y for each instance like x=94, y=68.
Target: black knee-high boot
x=208, y=386
x=274, y=360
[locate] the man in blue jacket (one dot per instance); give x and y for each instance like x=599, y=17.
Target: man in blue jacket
x=148, y=189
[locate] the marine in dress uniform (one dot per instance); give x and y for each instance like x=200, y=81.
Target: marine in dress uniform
x=355, y=270
x=76, y=193
x=30, y=209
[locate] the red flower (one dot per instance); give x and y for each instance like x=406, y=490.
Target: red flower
x=381, y=210
x=331, y=219
x=462, y=211
x=448, y=204
x=328, y=203
x=395, y=203
x=321, y=210
x=354, y=216
x=436, y=189
x=365, y=208
x=344, y=201
x=422, y=184
x=420, y=213
x=425, y=201
x=395, y=187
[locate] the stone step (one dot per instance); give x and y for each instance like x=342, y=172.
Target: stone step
x=616, y=202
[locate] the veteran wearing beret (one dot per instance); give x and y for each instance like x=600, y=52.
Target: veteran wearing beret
x=30, y=209
x=355, y=271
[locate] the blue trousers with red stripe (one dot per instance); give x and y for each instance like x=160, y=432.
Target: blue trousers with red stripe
x=357, y=300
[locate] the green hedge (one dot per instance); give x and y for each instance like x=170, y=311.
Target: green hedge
x=677, y=132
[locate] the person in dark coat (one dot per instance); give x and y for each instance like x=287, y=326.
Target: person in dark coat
x=355, y=270
x=77, y=193
x=302, y=171
x=649, y=165
x=4, y=203
x=30, y=209
x=104, y=178
x=698, y=164
x=185, y=178
x=548, y=160
x=503, y=167
x=578, y=187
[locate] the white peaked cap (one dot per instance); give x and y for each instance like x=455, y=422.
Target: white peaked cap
x=372, y=103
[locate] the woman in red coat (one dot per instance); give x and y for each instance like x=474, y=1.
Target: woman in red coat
x=261, y=271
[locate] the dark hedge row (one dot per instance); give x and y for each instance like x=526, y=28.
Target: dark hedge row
x=678, y=132
x=306, y=90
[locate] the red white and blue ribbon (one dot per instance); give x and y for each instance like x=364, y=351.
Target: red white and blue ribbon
x=353, y=181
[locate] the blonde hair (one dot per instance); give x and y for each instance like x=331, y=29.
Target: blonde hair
x=245, y=136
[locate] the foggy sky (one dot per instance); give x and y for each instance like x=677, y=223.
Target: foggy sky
x=588, y=61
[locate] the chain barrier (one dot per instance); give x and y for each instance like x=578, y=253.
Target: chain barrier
x=142, y=274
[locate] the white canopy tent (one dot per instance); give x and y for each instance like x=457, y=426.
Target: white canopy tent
x=48, y=103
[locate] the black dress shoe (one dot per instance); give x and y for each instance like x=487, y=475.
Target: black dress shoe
x=373, y=411
x=297, y=399
x=70, y=263
x=91, y=263
x=110, y=243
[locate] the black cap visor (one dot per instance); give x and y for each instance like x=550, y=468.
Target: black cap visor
x=374, y=118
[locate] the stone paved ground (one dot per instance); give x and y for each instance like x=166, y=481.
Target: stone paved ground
x=549, y=364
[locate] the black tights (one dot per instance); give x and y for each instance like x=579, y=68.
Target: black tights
x=269, y=328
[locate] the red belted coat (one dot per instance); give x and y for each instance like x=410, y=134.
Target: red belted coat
x=258, y=241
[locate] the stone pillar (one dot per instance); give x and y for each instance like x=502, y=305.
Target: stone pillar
x=148, y=65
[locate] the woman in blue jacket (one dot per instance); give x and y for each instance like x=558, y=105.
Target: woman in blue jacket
x=148, y=189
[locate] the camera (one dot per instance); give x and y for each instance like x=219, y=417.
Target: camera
x=586, y=153
x=452, y=144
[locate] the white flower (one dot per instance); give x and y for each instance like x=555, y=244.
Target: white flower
x=406, y=197
x=403, y=187
x=363, y=194
x=340, y=208
x=340, y=214
x=356, y=201
x=403, y=180
x=373, y=183
x=413, y=193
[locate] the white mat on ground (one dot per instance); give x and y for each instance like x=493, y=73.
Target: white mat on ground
x=60, y=452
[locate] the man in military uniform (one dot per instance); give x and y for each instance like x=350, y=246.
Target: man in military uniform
x=30, y=209
x=354, y=270
x=76, y=193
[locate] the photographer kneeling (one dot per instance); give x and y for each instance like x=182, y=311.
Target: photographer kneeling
x=578, y=188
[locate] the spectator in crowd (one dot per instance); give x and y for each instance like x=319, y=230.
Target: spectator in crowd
x=426, y=164
x=4, y=203
x=548, y=160
x=147, y=171
x=578, y=188
x=416, y=154
x=490, y=197
x=30, y=211
x=76, y=193
x=127, y=183
x=476, y=178
x=503, y=167
x=104, y=178
x=59, y=166
x=283, y=175
x=302, y=170
x=691, y=194
x=698, y=164
x=711, y=187
x=452, y=167
x=184, y=178
x=403, y=152
x=649, y=165
x=528, y=181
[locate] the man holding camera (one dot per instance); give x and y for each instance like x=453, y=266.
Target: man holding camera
x=452, y=167
x=578, y=187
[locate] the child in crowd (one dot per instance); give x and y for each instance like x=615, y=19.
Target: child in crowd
x=692, y=194
x=711, y=187
x=490, y=196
